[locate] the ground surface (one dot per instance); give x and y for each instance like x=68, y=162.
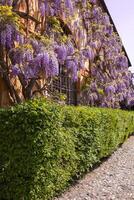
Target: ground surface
x=112, y=180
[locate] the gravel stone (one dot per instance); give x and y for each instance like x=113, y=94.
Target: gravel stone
x=112, y=180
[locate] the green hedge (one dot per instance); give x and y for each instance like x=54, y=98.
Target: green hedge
x=44, y=146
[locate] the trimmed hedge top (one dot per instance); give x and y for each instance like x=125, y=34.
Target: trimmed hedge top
x=44, y=146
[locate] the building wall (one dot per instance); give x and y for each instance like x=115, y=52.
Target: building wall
x=5, y=99
x=75, y=30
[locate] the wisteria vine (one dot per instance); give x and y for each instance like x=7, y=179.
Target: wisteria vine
x=76, y=35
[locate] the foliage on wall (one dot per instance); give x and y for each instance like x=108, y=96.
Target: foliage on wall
x=37, y=37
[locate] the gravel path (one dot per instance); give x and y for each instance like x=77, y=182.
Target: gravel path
x=112, y=180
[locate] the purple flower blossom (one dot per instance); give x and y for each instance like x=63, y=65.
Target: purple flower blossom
x=19, y=38
x=106, y=19
x=93, y=98
x=45, y=59
x=27, y=56
x=89, y=53
x=122, y=61
x=70, y=49
x=6, y=2
x=54, y=66
x=109, y=89
x=9, y=2
x=69, y=5
x=93, y=1
x=72, y=65
x=61, y=52
x=3, y=38
x=96, y=11
x=15, y=70
x=90, y=40
x=42, y=8
x=84, y=3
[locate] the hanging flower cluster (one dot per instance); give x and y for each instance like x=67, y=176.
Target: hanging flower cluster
x=9, y=28
x=110, y=81
x=74, y=34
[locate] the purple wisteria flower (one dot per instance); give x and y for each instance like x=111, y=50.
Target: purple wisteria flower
x=6, y=2
x=89, y=53
x=42, y=8
x=54, y=66
x=93, y=1
x=61, y=52
x=109, y=89
x=16, y=70
x=88, y=40
x=69, y=5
